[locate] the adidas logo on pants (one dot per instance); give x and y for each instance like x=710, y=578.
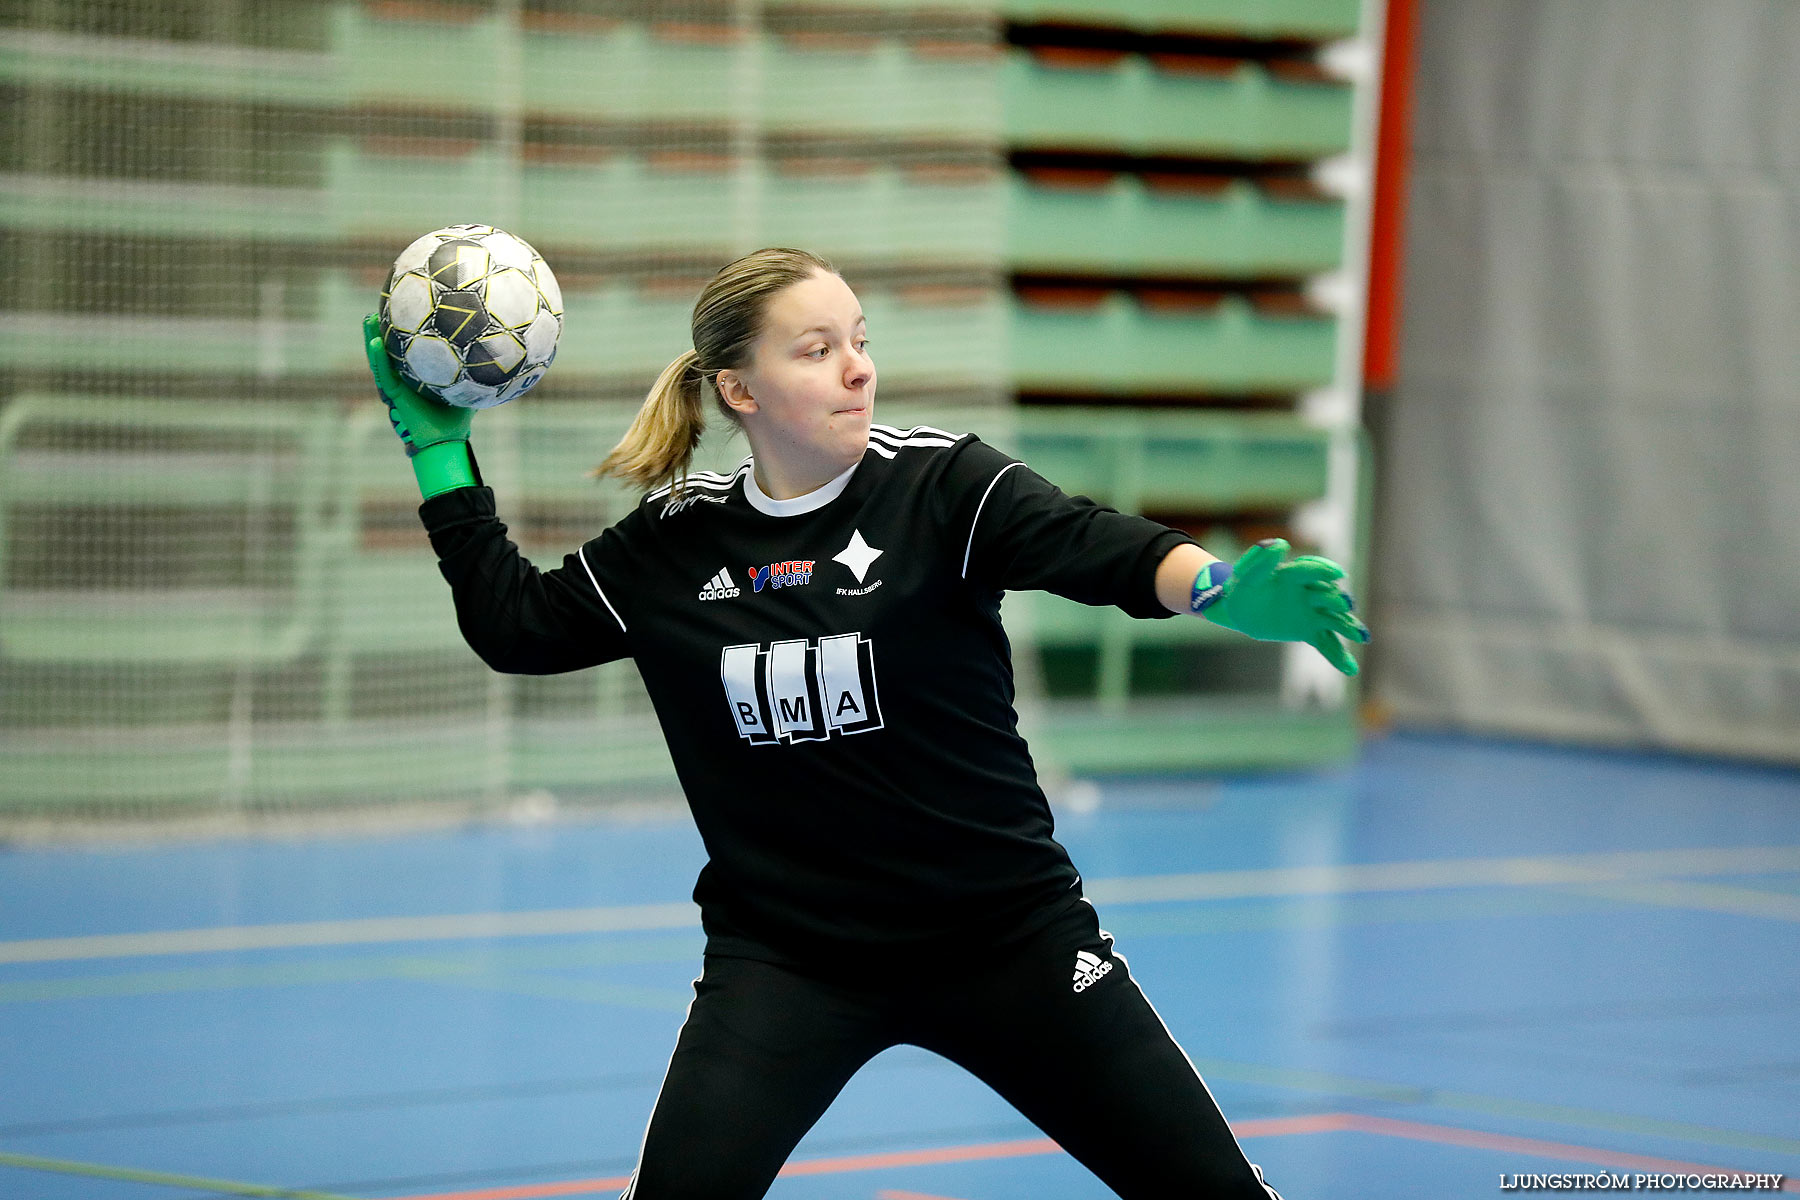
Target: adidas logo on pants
x=1089, y=969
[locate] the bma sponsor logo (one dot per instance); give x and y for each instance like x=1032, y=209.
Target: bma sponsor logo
x=801, y=691
x=782, y=574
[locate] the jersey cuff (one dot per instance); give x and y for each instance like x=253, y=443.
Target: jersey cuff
x=457, y=507
x=453, y=518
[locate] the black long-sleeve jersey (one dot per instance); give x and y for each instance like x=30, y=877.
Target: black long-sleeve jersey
x=831, y=675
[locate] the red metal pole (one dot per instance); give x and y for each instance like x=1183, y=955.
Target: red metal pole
x=1387, y=223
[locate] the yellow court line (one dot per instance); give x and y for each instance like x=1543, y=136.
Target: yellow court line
x=1558, y=870
x=192, y=1183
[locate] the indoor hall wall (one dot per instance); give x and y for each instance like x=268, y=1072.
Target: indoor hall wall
x=1589, y=523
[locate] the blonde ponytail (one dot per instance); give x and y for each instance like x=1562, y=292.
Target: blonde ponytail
x=660, y=443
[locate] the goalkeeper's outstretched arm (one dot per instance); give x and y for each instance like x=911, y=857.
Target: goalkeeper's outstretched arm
x=1301, y=600
x=517, y=619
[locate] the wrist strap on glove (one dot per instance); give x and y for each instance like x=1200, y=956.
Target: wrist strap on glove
x=444, y=467
x=1209, y=585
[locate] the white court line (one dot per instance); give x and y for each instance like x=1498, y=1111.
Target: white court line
x=1556, y=870
x=365, y=931
x=1428, y=874
x=1706, y=897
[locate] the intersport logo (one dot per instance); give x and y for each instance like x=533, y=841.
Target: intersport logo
x=792, y=573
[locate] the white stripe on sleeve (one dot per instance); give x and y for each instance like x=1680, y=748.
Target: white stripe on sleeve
x=581, y=553
x=984, y=499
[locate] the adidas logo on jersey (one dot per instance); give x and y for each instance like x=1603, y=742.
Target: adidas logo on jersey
x=1089, y=969
x=719, y=587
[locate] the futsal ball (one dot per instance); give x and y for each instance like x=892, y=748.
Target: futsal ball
x=471, y=315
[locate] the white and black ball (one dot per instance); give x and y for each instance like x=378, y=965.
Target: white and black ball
x=471, y=315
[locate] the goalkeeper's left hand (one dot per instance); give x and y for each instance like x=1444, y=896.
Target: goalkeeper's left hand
x=1298, y=601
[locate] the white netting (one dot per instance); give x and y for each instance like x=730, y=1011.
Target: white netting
x=214, y=590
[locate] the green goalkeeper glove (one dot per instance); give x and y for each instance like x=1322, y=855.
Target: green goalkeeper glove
x=1274, y=601
x=436, y=436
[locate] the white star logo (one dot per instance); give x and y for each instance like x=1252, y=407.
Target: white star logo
x=857, y=555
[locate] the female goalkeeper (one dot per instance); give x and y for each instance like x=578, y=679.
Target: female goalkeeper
x=819, y=631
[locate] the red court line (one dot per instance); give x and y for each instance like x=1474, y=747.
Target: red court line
x=813, y=1166
x=1281, y=1126
x=923, y=1158
x=1339, y=1122
x=981, y=1151
x=531, y=1191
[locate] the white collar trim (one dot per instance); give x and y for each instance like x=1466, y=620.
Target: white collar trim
x=818, y=498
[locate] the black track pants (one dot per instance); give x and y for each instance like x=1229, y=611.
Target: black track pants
x=765, y=1049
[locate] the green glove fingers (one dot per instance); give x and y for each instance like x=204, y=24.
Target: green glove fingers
x=1338, y=610
x=418, y=420
x=1298, y=601
x=1259, y=561
x=1328, y=598
x=1335, y=652
x=436, y=436
x=386, y=378
x=1349, y=627
x=1312, y=567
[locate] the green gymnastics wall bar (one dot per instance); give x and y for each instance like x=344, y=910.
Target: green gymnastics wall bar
x=630, y=201
x=1234, y=230
x=1311, y=19
x=628, y=71
x=1117, y=345
x=1120, y=346
x=1136, y=106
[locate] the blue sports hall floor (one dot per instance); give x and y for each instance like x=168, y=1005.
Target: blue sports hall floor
x=1455, y=963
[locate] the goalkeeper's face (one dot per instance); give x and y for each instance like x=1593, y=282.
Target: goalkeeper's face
x=809, y=395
